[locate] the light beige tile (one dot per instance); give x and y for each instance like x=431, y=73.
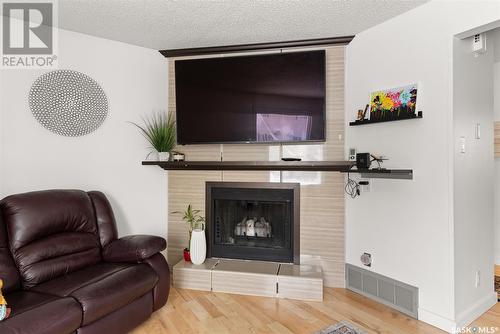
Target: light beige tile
x=497, y=139
x=245, y=266
x=244, y=283
x=299, y=288
x=298, y=271
x=197, y=277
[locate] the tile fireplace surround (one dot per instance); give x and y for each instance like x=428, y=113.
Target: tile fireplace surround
x=321, y=193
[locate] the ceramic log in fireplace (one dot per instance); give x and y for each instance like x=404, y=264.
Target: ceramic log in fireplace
x=253, y=221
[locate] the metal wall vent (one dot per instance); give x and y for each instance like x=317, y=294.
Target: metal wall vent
x=385, y=290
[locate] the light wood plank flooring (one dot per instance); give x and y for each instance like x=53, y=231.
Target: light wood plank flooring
x=190, y=311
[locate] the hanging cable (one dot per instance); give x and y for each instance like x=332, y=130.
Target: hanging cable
x=351, y=187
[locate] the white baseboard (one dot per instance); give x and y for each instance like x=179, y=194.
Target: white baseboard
x=436, y=320
x=463, y=319
x=476, y=310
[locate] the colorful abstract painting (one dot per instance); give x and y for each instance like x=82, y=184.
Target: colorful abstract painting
x=395, y=103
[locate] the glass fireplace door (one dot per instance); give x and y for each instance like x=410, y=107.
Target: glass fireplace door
x=253, y=225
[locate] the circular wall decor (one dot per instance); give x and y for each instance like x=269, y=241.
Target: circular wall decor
x=68, y=102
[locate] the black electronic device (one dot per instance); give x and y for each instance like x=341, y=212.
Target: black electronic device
x=363, y=160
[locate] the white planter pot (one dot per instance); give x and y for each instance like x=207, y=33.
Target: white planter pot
x=163, y=156
x=152, y=156
x=198, y=246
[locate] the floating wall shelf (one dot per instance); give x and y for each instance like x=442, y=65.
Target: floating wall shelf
x=325, y=166
x=368, y=121
x=304, y=166
x=402, y=174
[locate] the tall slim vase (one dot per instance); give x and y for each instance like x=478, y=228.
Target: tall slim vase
x=198, y=246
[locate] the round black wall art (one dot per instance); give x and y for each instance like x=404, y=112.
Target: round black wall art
x=68, y=103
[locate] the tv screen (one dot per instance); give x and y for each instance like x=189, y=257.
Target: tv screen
x=251, y=99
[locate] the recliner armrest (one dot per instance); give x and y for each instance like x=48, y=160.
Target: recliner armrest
x=133, y=248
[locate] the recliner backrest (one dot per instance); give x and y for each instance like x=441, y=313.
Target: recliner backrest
x=51, y=233
x=106, y=223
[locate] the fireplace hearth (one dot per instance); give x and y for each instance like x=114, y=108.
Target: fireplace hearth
x=253, y=221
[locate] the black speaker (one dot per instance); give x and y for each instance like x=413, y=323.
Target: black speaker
x=363, y=160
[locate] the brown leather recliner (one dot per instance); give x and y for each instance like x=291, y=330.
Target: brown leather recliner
x=66, y=271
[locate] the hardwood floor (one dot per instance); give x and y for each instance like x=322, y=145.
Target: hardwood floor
x=190, y=311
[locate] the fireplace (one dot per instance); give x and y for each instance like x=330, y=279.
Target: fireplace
x=253, y=221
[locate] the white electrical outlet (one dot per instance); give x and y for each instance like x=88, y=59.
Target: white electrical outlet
x=478, y=278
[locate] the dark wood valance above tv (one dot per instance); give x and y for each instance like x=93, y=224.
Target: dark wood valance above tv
x=256, y=47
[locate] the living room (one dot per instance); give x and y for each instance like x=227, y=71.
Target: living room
x=249, y=166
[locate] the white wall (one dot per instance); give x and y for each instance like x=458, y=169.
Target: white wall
x=473, y=180
x=109, y=159
x=407, y=226
x=494, y=41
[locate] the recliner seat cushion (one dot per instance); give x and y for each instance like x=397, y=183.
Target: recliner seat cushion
x=124, y=319
x=103, y=288
x=51, y=233
x=115, y=291
x=39, y=313
x=65, y=285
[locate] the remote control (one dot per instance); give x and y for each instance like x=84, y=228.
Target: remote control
x=291, y=159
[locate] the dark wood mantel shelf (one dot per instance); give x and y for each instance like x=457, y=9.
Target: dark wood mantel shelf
x=304, y=166
x=324, y=166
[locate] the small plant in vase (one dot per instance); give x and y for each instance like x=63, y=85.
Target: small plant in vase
x=160, y=131
x=196, y=250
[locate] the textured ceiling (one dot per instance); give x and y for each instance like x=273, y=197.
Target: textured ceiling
x=172, y=24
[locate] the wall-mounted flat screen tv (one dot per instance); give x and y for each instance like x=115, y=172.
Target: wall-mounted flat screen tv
x=251, y=99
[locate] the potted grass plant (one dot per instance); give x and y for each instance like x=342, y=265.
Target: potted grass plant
x=196, y=229
x=159, y=130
